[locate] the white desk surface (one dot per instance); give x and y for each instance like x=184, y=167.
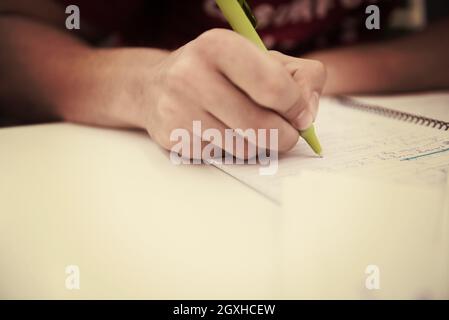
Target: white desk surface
x=138, y=227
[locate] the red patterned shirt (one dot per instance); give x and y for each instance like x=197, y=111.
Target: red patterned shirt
x=286, y=25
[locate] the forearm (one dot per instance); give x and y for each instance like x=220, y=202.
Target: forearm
x=48, y=74
x=416, y=62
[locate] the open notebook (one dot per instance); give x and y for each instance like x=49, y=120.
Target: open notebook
x=364, y=140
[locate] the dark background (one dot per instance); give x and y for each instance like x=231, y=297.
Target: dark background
x=437, y=9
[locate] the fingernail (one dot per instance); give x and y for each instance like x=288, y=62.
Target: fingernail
x=306, y=118
x=314, y=101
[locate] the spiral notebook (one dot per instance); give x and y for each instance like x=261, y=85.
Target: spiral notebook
x=363, y=140
x=395, y=114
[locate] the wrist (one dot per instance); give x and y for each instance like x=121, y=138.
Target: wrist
x=137, y=87
x=112, y=87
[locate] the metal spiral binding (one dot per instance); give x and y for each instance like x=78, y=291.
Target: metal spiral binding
x=399, y=115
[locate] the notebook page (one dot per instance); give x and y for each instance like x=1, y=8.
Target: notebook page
x=359, y=143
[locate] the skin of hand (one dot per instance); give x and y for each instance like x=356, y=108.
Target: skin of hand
x=225, y=81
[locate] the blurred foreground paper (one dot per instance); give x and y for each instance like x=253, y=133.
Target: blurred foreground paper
x=346, y=238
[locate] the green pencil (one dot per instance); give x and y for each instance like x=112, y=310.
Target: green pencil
x=239, y=16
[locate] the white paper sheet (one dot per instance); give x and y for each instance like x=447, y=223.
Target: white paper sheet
x=359, y=143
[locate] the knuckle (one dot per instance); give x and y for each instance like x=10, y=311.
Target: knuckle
x=317, y=65
x=319, y=69
x=167, y=110
x=312, y=71
x=210, y=43
x=178, y=76
x=211, y=35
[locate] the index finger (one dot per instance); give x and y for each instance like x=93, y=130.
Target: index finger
x=265, y=80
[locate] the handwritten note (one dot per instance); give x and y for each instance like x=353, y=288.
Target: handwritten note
x=362, y=144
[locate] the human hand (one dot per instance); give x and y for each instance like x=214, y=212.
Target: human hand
x=224, y=81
